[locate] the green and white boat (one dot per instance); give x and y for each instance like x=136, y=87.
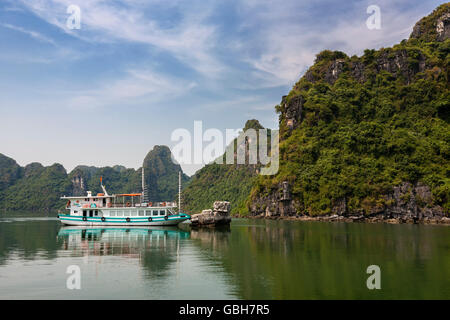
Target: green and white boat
x=132, y=209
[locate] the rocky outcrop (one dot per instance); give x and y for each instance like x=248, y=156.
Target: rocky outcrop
x=435, y=27
x=443, y=27
x=78, y=184
x=293, y=114
x=406, y=203
x=401, y=63
x=278, y=203
x=218, y=216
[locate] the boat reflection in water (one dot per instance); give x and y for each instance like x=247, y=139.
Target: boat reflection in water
x=154, y=247
x=131, y=242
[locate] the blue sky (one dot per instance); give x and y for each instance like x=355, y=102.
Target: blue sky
x=138, y=69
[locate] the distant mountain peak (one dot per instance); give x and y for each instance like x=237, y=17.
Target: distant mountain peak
x=161, y=174
x=253, y=124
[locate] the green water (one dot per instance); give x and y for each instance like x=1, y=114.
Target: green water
x=254, y=259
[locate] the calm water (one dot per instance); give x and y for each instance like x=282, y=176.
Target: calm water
x=253, y=260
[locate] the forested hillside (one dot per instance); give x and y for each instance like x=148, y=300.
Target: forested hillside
x=368, y=134
x=38, y=188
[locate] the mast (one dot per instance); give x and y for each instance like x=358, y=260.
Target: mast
x=179, y=191
x=144, y=188
x=103, y=187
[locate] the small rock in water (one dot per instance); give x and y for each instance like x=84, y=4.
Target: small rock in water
x=220, y=215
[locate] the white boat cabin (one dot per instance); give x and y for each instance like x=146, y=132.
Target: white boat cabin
x=120, y=205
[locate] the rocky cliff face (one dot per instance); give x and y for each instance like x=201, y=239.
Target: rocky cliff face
x=406, y=203
x=435, y=27
x=78, y=184
x=322, y=125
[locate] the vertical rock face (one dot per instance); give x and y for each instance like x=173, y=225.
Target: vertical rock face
x=443, y=27
x=411, y=201
x=277, y=203
x=293, y=114
x=78, y=185
x=406, y=202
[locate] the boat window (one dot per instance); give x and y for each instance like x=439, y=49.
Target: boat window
x=141, y=213
x=119, y=213
x=96, y=213
x=112, y=213
x=162, y=212
x=155, y=212
x=133, y=212
x=126, y=213
x=148, y=212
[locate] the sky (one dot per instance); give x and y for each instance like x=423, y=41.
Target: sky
x=137, y=70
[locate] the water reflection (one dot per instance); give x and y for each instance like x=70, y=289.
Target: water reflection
x=28, y=238
x=255, y=259
x=286, y=260
x=129, y=242
x=155, y=248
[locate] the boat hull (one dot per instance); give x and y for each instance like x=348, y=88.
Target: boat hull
x=132, y=221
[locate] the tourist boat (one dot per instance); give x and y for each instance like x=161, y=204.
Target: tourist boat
x=131, y=209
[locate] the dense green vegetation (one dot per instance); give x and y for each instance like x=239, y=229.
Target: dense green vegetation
x=35, y=187
x=10, y=171
x=222, y=182
x=384, y=120
x=161, y=174
x=117, y=179
x=38, y=189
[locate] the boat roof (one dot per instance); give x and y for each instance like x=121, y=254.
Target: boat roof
x=84, y=197
x=103, y=196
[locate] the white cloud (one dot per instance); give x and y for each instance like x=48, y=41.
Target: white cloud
x=33, y=34
x=190, y=40
x=136, y=84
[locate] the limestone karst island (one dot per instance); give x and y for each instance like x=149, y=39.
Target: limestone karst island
x=253, y=151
